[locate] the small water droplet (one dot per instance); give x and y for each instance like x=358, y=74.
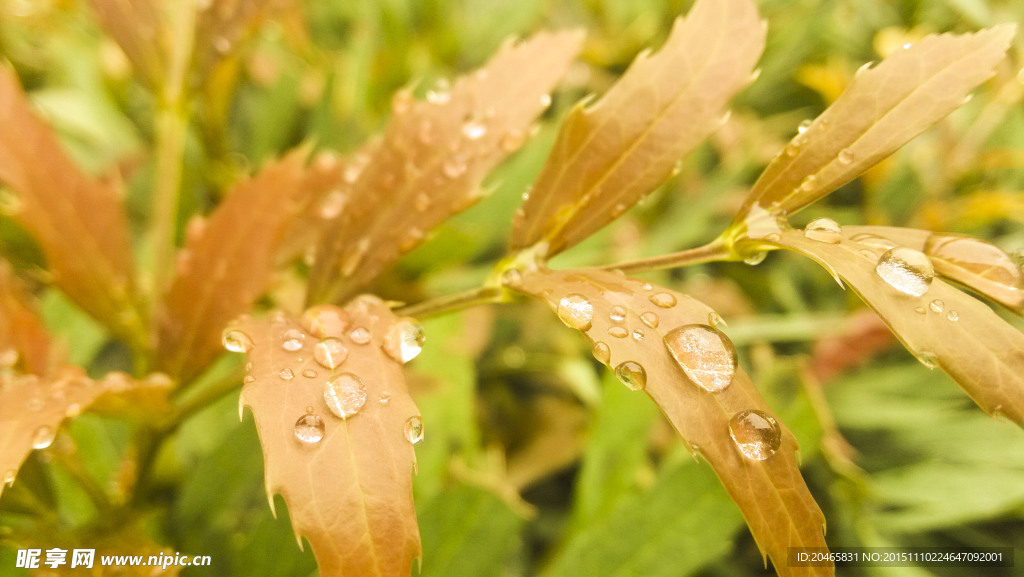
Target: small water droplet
x=309, y=429
x=545, y=100
x=846, y=156
x=474, y=130
x=309, y=373
x=663, y=300
x=43, y=437
x=927, y=359
x=804, y=125
x=907, y=45
x=512, y=278
x=236, y=341
x=617, y=314
x=648, y=286
x=404, y=340
x=705, y=354
x=756, y=434
x=937, y=305
x=906, y=270
x=873, y=240
x=714, y=319
x=919, y=310
x=602, y=352
x=638, y=334
x=632, y=375
x=953, y=316
x=809, y=183
x=384, y=397
x=292, y=339
x=824, y=230
x=618, y=332
x=793, y=148
x=360, y=335
x=286, y=374
x=345, y=394
x=756, y=258
x=330, y=353
x=650, y=319
x=576, y=312
x=249, y=379
x=454, y=166
x=414, y=429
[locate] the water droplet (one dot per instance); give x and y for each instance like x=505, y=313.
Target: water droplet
x=976, y=256
x=360, y=335
x=705, y=354
x=648, y=286
x=474, y=130
x=618, y=210
x=236, y=341
x=384, y=398
x=824, y=230
x=793, y=148
x=756, y=434
x=663, y=300
x=873, y=240
x=618, y=332
x=804, y=125
x=650, y=319
x=512, y=278
x=602, y=352
x=454, y=167
x=756, y=258
x=309, y=428
x=512, y=140
x=9, y=475
x=576, y=312
x=906, y=270
x=953, y=316
x=617, y=314
x=919, y=310
x=345, y=394
x=43, y=437
x=404, y=340
x=936, y=305
x=809, y=183
x=441, y=93
x=638, y=334
x=632, y=375
x=330, y=353
x=846, y=156
x=927, y=359
x=286, y=374
x=714, y=319
x=414, y=429
x=325, y=321
x=545, y=100
x=292, y=339
x=249, y=379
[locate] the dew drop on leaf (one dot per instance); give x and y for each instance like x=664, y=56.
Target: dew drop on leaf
x=845, y=156
x=953, y=316
x=345, y=394
x=414, y=429
x=650, y=319
x=384, y=398
x=975, y=255
x=927, y=359
x=705, y=354
x=309, y=429
x=715, y=319
x=43, y=437
x=330, y=353
x=360, y=335
x=638, y=334
x=920, y=310
x=249, y=379
x=9, y=475
x=617, y=314
x=756, y=434
x=804, y=125
x=663, y=300
x=756, y=258
x=236, y=341
x=309, y=373
x=602, y=352
x=809, y=183
x=545, y=100
x=286, y=374
x=576, y=312
x=618, y=332
x=292, y=339
x=404, y=340
x=474, y=130
x=906, y=270
x=512, y=278
x=824, y=230
x=873, y=240
x=936, y=305
x=632, y=374
x=454, y=167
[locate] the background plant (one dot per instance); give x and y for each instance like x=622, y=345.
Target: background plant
x=209, y=91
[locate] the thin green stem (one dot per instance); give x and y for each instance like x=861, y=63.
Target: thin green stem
x=716, y=250
x=205, y=397
x=456, y=302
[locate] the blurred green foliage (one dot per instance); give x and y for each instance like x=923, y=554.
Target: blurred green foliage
x=535, y=461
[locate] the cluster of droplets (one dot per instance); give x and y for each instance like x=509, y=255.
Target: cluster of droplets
x=938, y=306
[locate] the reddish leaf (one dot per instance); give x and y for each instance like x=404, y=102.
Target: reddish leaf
x=136, y=25
x=24, y=341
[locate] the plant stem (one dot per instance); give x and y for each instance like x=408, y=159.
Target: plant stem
x=207, y=396
x=716, y=250
x=450, y=303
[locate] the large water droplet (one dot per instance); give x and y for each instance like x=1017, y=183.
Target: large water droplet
x=602, y=352
x=756, y=434
x=663, y=300
x=705, y=354
x=236, y=341
x=906, y=270
x=360, y=335
x=42, y=437
x=292, y=339
x=330, y=353
x=413, y=429
x=981, y=258
x=824, y=230
x=345, y=395
x=632, y=375
x=309, y=429
x=756, y=258
x=404, y=340
x=576, y=312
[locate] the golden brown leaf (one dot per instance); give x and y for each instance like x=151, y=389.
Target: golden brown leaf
x=78, y=222
x=226, y=264
x=881, y=110
x=608, y=156
x=630, y=323
x=941, y=326
x=137, y=27
x=347, y=481
x=432, y=159
x=24, y=341
x=977, y=264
